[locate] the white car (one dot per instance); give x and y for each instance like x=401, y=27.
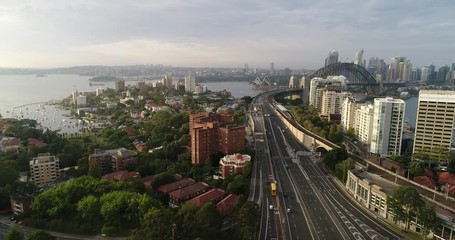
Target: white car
x=271, y=207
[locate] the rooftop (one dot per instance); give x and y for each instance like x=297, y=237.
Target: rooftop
x=373, y=179
x=176, y=185
x=212, y=195
x=188, y=190
x=122, y=175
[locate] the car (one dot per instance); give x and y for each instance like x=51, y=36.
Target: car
x=12, y=218
x=288, y=210
x=271, y=207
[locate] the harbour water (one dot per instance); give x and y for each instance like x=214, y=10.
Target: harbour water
x=25, y=96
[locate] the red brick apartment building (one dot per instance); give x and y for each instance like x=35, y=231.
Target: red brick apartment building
x=210, y=134
x=215, y=195
x=113, y=160
x=170, y=187
x=184, y=194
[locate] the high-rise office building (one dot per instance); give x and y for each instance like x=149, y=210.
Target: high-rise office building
x=190, y=83
x=331, y=58
x=395, y=67
x=44, y=169
x=405, y=74
x=442, y=73
x=387, y=130
x=425, y=76
x=435, y=121
x=358, y=58
x=272, y=68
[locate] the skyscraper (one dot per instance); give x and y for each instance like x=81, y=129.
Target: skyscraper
x=331, y=58
x=425, y=76
x=272, y=68
x=442, y=73
x=387, y=130
x=358, y=58
x=190, y=83
x=435, y=121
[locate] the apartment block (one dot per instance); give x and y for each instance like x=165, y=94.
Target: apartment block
x=387, y=131
x=363, y=123
x=332, y=100
x=435, y=121
x=232, y=164
x=44, y=169
x=211, y=134
x=113, y=160
x=184, y=194
x=349, y=106
x=317, y=87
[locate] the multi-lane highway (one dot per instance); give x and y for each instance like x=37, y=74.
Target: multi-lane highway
x=309, y=204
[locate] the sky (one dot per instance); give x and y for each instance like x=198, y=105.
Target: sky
x=228, y=33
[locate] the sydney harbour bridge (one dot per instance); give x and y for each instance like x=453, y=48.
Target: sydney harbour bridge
x=356, y=75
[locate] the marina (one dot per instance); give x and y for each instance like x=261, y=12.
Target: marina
x=49, y=116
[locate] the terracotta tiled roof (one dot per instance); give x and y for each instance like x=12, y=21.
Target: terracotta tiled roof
x=36, y=143
x=446, y=178
x=11, y=142
x=176, y=185
x=225, y=205
x=426, y=181
x=188, y=190
x=213, y=195
x=122, y=175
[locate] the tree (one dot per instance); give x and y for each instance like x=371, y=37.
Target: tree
x=94, y=170
x=88, y=208
x=41, y=235
x=341, y=169
x=208, y=221
x=247, y=219
x=155, y=225
x=427, y=218
x=14, y=233
x=417, y=168
x=405, y=203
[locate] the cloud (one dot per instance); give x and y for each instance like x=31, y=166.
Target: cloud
x=203, y=32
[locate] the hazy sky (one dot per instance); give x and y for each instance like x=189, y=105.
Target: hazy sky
x=290, y=33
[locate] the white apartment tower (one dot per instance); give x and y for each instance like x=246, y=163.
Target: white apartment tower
x=332, y=100
x=363, y=122
x=317, y=86
x=387, y=131
x=44, y=169
x=190, y=83
x=435, y=120
x=350, y=105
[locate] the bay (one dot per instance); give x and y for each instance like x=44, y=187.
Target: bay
x=24, y=96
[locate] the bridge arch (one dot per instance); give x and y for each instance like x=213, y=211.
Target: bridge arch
x=356, y=74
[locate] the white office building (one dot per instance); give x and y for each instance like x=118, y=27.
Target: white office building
x=435, y=121
x=388, y=120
